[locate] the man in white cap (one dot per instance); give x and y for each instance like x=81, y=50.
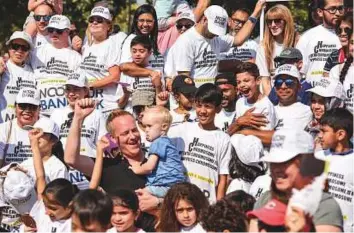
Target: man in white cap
x=197, y=51
x=16, y=73
x=52, y=64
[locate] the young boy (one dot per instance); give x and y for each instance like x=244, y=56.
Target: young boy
x=205, y=149
x=141, y=49
x=183, y=89
x=164, y=166
x=336, y=130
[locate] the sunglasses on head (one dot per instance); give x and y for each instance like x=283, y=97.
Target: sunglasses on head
x=45, y=18
x=24, y=48
x=96, y=19
x=276, y=21
x=58, y=31
x=289, y=82
x=29, y=107
x=346, y=30
x=187, y=26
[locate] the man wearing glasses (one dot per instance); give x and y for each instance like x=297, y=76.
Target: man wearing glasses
x=247, y=51
x=319, y=42
x=42, y=15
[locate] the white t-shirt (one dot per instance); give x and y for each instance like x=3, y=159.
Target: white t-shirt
x=224, y=119
x=238, y=184
x=247, y=51
x=264, y=106
x=197, y=228
x=340, y=181
x=194, y=53
x=295, y=116
x=40, y=40
x=19, y=148
x=205, y=155
x=261, y=61
x=316, y=44
x=13, y=79
x=348, y=84
x=180, y=118
x=97, y=59
x=51, y=68
x=260, y=185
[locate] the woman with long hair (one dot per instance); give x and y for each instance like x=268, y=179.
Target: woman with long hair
x=279, y=34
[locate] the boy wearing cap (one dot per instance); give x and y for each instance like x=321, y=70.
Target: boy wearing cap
x=183, y=89
x=52, y=64
x=16, y=74
x=336, y=130
x=196, y=52
x=227, y=83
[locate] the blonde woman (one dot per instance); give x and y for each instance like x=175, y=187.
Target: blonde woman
x=279, y=34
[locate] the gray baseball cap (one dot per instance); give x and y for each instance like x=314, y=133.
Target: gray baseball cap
x=289, y=53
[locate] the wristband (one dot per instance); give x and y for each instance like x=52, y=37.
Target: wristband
x=253, y=19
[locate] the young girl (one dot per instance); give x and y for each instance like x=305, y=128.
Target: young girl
x=182, y=208
x=52, y=212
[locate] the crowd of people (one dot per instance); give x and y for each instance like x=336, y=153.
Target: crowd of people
x=184, y=124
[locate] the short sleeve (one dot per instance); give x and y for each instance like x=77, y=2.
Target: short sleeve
x=261, y=62
x=331, y=61
x=169, y=68
x=328, y=212
x=183, y=55
x=302, y=45
x=225, y=43
x=126, y=55
x=225, y=156
x=159, y=147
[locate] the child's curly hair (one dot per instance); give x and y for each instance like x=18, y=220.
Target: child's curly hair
x=224, y=215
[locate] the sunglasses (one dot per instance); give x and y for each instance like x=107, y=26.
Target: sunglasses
x=96, y=19
x=238, y=22
x=276, y=21
x=346, y=30
x=58, y=31
x=289, y=82
x=334, y=9
x=29, y=107
x=187, y=26
x=24, y=48
x=45, y=18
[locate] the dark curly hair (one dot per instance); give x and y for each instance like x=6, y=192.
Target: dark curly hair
x=224, y=215
x=181, y=191
x=239, y=170
x=242, y=200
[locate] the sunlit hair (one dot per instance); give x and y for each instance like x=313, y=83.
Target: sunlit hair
x=278, y=12
x=162, y=113
x=113, y=115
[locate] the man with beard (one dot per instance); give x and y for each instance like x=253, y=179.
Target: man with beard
x=227, y=83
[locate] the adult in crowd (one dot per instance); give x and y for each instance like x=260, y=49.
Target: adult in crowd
x=52, y=63
x=76, y=89
x=319, y=42
x=279, y=34
x=16, y=74
x=100, y=58
x=42, y=15
x=343, y=30
x=288, y=148
x=196, y=51
x=248, y=50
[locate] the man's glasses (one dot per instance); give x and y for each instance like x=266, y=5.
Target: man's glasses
x=29, y=107
x=45, y=18
x=346, y=30
x=147, y=21
x=58, y=31
x=96, y=19
x=334, y=9
x=276, y=21
x=238, y=22
x=187, y=26
x=289, y=82
x=24, y=48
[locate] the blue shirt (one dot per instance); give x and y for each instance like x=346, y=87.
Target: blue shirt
x=169, y=169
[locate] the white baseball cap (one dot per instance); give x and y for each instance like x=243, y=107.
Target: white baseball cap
x=28, y=96
x=102, y=12
x=77, y=79
x=288, y=70
x=21, y=35
x=186, y=15
x=287, y=144
x=46, y=124
x=217, y=19
x=59, y=22
x=19, y=191
x=328, y=87
x=249, y=149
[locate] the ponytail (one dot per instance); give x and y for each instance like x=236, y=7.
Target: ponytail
x=345, y=69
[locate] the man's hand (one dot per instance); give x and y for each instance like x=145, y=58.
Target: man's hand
x=34, y=135
x=77, y=43
x=84, y=107
x=258, y=8
x=147, y=202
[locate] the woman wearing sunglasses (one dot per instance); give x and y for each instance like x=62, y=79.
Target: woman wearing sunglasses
x=15, y=74
x=279, y=34
x=100, y=59
x=343, y=31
